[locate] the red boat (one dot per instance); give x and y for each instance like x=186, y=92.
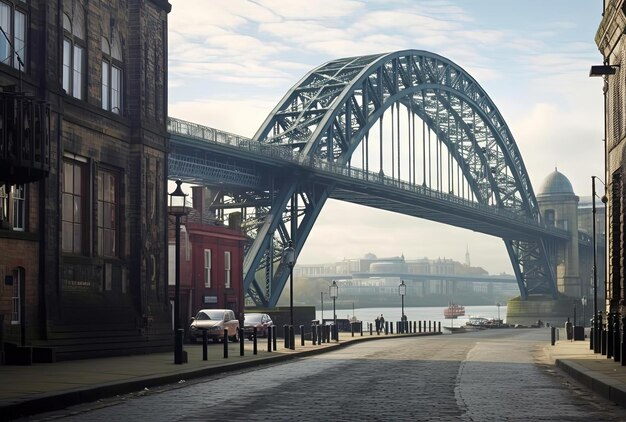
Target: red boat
x=453, y=311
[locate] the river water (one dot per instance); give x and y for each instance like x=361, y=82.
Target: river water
x=434, y=313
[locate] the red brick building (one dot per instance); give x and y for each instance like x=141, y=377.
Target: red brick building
x=211, y=260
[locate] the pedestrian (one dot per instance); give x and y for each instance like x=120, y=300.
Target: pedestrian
x=377, y=322
x=382, y=322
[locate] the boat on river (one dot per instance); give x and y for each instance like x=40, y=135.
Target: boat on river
x=453, y=311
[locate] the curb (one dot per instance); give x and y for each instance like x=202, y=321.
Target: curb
x=47, y=402
x=599, y=384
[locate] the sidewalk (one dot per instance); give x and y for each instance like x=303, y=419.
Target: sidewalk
x=603, y=376
x=28, y=390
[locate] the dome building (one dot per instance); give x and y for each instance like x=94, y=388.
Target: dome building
x=559, y=208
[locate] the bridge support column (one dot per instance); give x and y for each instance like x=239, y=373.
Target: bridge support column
x=540, y=307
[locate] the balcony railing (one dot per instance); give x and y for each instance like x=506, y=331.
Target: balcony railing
x=24, y=138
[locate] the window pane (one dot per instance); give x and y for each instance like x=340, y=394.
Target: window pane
x=77, y=239
x=78, y=72
x=67, y=60
x=19, y=207
x=116, y=90
x=67, y=24
x=19, y=39
x=105, y=85
x=5, y=22
x=67, y=236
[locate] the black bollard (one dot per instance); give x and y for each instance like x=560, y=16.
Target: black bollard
x=254, y=347
x=302, y=335
x=439, y=326
x=205, y=343
x=429, y=328
x=616, y=338
x=274, y=334
x=609, y=335
x=242, y=337
x=328, y=327
x=386, y=327
x=313, y=335
x=591, y=330
x=597, y=345
x=552, y=335
x=419, y=327
x=352, y=328
x=269, y=338
x=361, y=327
x=623, y=354
x=414, y=326
x=286, y=336
x=371, y=328
x=225, y=340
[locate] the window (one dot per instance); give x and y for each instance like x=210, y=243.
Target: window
x=13, y=207
x=227, y=269
x=13, y=24
x=74, y=52
x=112, y=75
x=73, y=218
x=18, y=279
x=207, y=268
x=107, y=213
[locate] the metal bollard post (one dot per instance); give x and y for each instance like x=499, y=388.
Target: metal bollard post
x=623, y=354
x=597, y=345
x=254, y=346
x=616, y=338
x=386, y=327
x=609, y=335
x=439, y=326
x=225, y=340
x=429, y=327
x=274, y=335
x=205, y=341
x=391, y=327
x=313, y=335
x=419, y=327
x=286, y=336
x=328, y=327
x=269, y=338
x=552, y=335
x=302, y=335
x=361, y=326
x=242, y=337
x=352, y=328
x=592, y=326
x=371, y=328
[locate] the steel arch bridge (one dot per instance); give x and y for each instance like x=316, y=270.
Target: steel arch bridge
x=350, y=130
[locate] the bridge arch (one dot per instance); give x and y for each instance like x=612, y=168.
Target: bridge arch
x=330, y=112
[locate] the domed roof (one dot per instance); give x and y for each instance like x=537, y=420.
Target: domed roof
x=556, y=183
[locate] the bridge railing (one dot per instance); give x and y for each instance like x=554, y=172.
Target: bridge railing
x=194, y=130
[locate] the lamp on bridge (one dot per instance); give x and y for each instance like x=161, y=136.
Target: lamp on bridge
x=333, y=292
x=402, y=292
x=178, y=208
x=289, y=258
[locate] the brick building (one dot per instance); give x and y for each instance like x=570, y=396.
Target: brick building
x=212, y=254
x=83, y=219
x=610, y=41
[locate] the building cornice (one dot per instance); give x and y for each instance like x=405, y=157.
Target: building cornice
x=611, y=27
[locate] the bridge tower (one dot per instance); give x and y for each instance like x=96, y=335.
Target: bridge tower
x=559, y=207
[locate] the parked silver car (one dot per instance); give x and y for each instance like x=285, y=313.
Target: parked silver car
x=214, y=321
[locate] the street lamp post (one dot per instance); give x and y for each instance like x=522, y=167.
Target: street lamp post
x=402, y=292
x=322, y=302
x=333, y=292
x=178, y=208
x=289, y=258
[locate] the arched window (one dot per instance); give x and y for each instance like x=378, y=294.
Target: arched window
x=112, y=75
x=74, y=50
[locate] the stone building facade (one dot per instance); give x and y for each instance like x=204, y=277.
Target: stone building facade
x=86, y=243
x=612, y=45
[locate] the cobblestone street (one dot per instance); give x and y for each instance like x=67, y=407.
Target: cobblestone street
x=491, y=375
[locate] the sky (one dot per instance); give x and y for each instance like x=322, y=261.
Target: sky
x=231, y=61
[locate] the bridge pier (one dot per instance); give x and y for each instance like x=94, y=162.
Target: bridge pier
x=540, y=307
